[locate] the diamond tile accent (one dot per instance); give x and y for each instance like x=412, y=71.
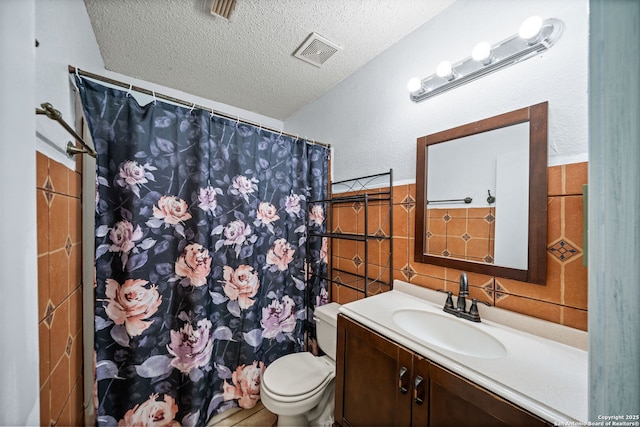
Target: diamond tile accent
x=500, y=296
x=488, y=259
x=563, y=250
x=338, y=279
x=489, y=218
x=408, y=272
x=48, y=315
x=466, y=237
x=67, y=350
x=429, y=234
x=357, y=206
x=408, y=203
x=48, y=193
x=357, y=260
x=68, y=245
x=446, y=217
x=48, y=196
x=48, y=185
x=380, y=233
x=501, y=291
x=446, y=253
x=488, y=289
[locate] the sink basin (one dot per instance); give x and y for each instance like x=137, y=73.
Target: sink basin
x=450, y=333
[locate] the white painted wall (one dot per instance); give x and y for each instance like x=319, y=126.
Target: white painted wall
x=66, y=37
x=19, y=385
x=373, y=126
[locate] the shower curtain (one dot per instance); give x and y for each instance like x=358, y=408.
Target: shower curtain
x=205, y=271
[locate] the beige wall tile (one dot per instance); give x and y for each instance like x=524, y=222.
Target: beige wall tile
x=59, y=175
x=576, y=175
x=555, y=180
x=530, y=307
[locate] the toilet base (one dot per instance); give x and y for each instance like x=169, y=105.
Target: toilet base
x=292, y=421
x=320, y=416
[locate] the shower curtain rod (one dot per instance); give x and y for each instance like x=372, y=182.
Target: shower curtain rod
x=74, y=70
x=48, y=110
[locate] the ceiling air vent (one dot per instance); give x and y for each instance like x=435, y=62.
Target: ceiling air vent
x=316, y=50
x=222, y=8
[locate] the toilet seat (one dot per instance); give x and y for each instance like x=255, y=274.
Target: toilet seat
x=297, y=376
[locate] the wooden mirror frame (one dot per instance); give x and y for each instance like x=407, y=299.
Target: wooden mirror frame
x=536, y=271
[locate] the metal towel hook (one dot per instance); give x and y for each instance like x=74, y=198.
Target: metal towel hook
x=491, y=199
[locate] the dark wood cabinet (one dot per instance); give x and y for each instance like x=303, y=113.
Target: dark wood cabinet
x=456, y=401
x=372, y=379
x=380, y=383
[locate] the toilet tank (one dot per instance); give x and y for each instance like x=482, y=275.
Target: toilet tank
x=326, y=317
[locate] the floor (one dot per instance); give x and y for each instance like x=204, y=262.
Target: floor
x=258, y=416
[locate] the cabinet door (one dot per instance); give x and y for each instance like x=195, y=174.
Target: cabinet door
x=420, y=392
x=454, y=401
x=373, y=379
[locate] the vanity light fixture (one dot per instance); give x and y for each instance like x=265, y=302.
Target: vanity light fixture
x=534, y=36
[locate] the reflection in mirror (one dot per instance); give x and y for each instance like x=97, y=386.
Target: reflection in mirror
x=480, y=168
x=481, y=197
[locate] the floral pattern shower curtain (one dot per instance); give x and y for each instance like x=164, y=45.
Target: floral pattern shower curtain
x=203, y=262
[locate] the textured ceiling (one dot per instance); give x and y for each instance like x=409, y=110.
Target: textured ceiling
x=248, y=62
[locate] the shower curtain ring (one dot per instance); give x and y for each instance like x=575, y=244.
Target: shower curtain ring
x=211, y=114
x=192, y=107
x=155, y=100
x=129, y=91
x=237, y=122
x=78, y=74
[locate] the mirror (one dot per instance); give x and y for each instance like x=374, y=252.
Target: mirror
x=481, y=191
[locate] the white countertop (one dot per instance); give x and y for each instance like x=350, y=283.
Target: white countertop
x=543, y=376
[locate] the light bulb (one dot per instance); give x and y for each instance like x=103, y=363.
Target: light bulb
x=482, y=53
x=414, y=84
x=530, y=28
x=445, y=70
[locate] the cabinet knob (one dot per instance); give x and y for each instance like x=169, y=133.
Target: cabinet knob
x=402, y=380
x=418, y=390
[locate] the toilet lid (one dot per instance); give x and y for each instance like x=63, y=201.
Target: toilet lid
x=296, y=374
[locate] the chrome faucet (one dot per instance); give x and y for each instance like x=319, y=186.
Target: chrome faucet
x=460, y=310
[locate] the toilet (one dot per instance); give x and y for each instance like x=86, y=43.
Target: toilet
x=299, y=387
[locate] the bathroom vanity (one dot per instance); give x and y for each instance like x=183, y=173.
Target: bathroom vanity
x=393, y=370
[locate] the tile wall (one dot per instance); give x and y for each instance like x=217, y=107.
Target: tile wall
x=463, y=233
x=564, y=298
x=60, y=292
x=348, y=255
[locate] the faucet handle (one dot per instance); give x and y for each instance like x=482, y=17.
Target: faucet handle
x=474, y=315
x=449, y=302
x=473, y=310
